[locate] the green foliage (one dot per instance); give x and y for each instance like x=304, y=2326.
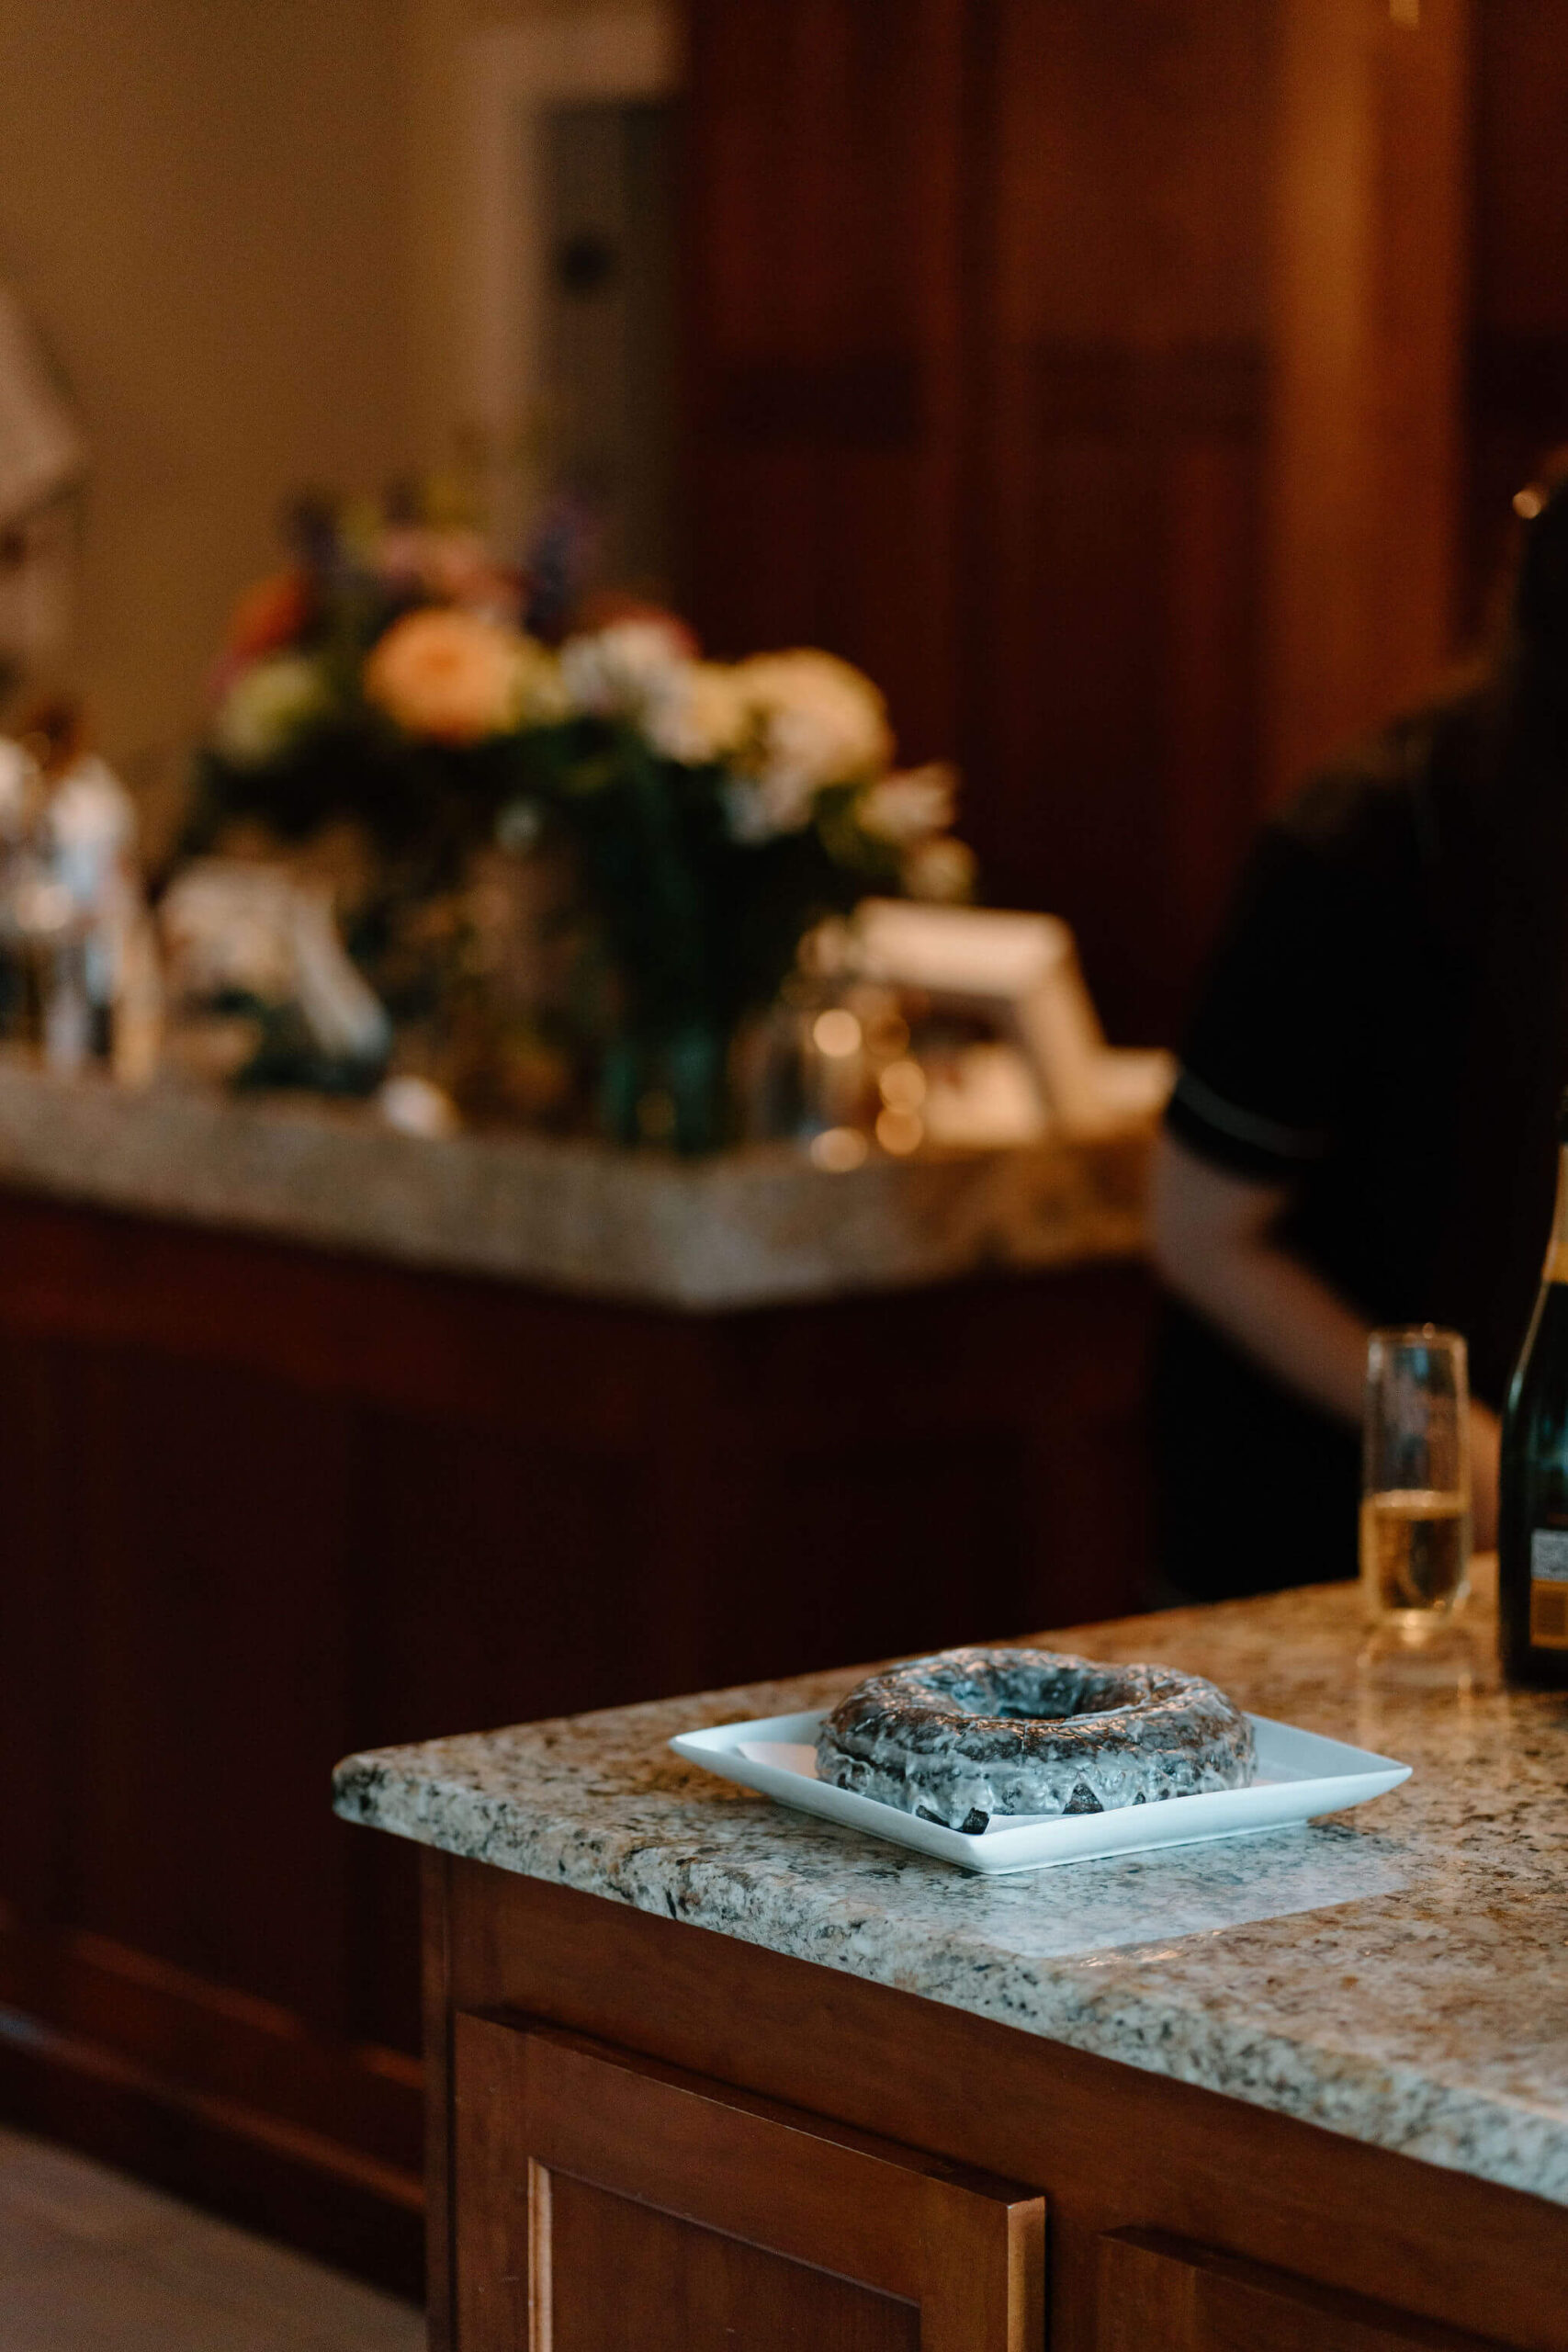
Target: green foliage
x=701, y=927
x=698, y=928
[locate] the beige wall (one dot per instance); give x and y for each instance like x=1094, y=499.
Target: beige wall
x=240, y=225
x=203, y=204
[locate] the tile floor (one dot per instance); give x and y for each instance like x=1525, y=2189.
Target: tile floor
x=93, y=2262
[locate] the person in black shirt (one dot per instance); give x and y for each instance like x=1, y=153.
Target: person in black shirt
x=1362, y=1129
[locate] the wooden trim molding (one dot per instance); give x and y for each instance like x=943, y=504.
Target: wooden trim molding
x=221, y=2097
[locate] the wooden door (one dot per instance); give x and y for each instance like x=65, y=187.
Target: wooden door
x=821, y=360
x=605, y=2203
x=1157, y=2291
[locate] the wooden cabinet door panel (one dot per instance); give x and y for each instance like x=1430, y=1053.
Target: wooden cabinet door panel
x=1161, y=2292
x=605, y=2203
x=632, y=2274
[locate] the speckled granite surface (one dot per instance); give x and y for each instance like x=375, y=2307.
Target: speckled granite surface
x=1400, y=1974
x=745, y=1228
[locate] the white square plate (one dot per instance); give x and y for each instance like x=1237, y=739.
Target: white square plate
x=1300, y=1775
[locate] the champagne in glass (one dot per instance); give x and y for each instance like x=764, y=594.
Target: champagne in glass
x=1414, y=1549
x=1416, y=1483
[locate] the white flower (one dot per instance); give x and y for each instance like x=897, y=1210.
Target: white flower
x=698, y=713
x=616, y=672
x=817, y=721
x=269, y=707
x=908, y=808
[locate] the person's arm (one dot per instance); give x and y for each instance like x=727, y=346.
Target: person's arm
x=1215, y=1243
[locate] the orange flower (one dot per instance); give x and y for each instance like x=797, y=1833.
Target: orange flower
x=451, y=676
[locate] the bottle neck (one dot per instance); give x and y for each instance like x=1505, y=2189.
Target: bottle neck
x=1556, y=1267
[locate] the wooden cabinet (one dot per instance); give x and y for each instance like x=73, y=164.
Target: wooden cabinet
x=1159, y=2291
x=654, y=2138
x=603, y=2201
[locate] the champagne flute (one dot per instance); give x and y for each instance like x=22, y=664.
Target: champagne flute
x=1416, y=1478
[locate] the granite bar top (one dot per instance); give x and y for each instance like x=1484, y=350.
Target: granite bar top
x=1397, y=1975
x=748, y=1228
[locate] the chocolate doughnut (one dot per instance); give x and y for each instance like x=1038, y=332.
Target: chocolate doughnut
x=967, y=1734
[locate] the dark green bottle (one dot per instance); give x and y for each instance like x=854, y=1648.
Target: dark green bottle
x=1532, y=1499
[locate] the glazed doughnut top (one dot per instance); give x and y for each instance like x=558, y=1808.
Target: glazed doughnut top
x=967, y=1734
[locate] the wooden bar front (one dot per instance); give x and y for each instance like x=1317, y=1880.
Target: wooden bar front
x=262, y=1505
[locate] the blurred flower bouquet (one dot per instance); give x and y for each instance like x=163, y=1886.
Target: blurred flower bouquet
x=710, y=814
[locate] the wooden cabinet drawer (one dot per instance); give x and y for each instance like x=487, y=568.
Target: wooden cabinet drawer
x=605, y=2203
x=1161, y=2294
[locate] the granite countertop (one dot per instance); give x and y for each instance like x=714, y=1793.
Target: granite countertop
x=1397, y=1975
x=746, y=1228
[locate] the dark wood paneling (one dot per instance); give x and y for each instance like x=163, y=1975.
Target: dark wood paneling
x=40, y=1628
x=1117, y=282
x=216, y=1481
x=241, y=2049
x=219, y=2097
x=1517, y=405
x=261, y=1507
x=822, y=236
x=1091, y=375
x=977, y=359
x=1368, y=299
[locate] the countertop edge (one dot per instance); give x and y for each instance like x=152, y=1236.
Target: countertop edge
x=1394, y=2106
x=754, y=1229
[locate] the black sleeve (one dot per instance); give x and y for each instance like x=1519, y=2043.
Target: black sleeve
x=1265, y=1061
